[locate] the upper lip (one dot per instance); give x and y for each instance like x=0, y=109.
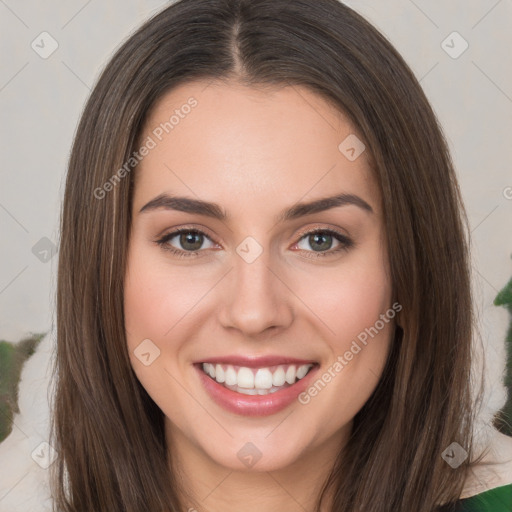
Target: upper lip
x=255, y=361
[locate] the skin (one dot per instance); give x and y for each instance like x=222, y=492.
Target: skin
x=255, y=153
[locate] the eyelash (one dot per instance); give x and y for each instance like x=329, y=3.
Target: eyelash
x=345, y=242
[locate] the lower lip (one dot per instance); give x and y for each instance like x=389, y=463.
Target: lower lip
x=254, y=405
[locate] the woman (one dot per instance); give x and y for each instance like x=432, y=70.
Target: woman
x=263, y=293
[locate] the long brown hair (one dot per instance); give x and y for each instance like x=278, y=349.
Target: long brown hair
x=109, y=434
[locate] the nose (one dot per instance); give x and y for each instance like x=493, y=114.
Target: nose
x=256, y=299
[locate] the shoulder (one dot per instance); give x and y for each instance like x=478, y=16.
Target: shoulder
x=495, y=468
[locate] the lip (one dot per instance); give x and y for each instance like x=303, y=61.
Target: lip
x=253, y=405
x=255, y=362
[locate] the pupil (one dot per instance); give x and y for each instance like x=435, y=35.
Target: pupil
x=324, y=241
x=195, y=239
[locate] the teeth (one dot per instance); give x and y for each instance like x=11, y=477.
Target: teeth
x=230, y=376
x=259, y=381
x=279, y=377
x=245, y=378
x=245, y=391
x=263, y=379
x=301, y=371
x=219, y=373
x=290, y=375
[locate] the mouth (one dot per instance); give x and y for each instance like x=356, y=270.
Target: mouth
x=256, y=381
x=258, y=387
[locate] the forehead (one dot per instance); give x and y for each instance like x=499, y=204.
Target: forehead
x=232, y=143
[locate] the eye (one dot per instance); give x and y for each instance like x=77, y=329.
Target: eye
x=324, y=242
x=188, y=242
x=185, y=242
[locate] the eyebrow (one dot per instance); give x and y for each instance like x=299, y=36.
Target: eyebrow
x=213, y=210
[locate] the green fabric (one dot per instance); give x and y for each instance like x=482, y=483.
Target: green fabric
x=498, y=499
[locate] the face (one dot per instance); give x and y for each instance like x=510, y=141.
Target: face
x=236, y=259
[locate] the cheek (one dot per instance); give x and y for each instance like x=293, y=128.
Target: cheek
x=349, y=297
x=158, y=296
x=143, y=298
x=356, y=307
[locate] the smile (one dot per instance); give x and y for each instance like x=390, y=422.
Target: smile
x=256, y=381
x=255, y=387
